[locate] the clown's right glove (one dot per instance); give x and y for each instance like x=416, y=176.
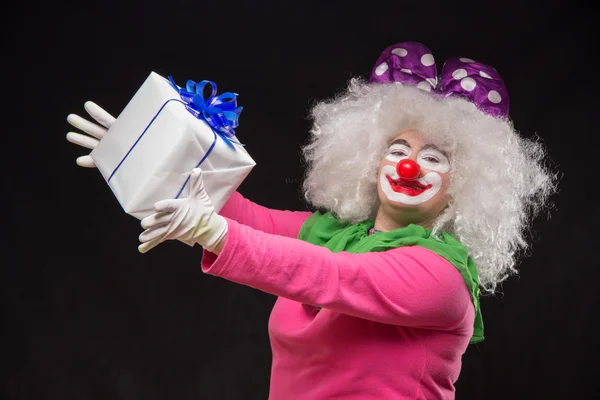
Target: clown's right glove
x=191, y=220
x=94, y=132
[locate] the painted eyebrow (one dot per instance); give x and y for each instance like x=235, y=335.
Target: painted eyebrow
x=400, y=141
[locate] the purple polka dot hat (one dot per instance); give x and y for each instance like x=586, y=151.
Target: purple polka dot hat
x=412, y=63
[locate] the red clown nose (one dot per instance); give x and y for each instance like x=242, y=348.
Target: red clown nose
x=408, y=169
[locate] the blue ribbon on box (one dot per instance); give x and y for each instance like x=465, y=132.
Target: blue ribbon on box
x=221, y=113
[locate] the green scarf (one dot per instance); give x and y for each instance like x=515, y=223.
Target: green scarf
x=327, y=231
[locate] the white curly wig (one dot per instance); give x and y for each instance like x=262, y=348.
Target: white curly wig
x=498, y=180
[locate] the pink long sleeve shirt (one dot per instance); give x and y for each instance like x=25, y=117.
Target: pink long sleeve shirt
x=394, y=324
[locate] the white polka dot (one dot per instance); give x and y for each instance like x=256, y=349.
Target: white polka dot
x=466, y=60
x=459, y=73
x=432, y=81
x=485, y=75
x=427, y=60
x=424, y=85
x=406, y=70
x=468, y=84
x=381, y=68
x=400, y=52
x=494, y=97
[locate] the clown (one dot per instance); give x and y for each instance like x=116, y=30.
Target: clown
x=424, y=191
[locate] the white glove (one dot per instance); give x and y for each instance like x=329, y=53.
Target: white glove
x=191, y=219
x=95, y=132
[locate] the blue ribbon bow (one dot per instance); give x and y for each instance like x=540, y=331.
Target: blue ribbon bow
x=221, y=112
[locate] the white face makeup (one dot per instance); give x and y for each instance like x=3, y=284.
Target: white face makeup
x=429, y=158
x=417, y=194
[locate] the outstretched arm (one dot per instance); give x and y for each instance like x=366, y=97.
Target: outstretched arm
x=193, y=219
x=409, y=286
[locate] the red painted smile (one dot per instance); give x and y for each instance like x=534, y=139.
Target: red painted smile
x=409, y=188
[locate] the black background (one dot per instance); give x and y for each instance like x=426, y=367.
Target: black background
x=85, y=316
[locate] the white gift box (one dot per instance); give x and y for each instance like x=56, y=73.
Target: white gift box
x=150, y=150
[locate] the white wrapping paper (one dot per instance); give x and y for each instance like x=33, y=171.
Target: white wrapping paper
x=150, y=150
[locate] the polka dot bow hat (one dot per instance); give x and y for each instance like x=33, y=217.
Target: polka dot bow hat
x=412, y=63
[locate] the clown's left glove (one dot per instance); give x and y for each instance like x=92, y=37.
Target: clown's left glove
x=192, y=219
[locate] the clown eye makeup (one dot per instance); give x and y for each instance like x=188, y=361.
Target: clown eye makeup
x=434, y=160
x=397, y=152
